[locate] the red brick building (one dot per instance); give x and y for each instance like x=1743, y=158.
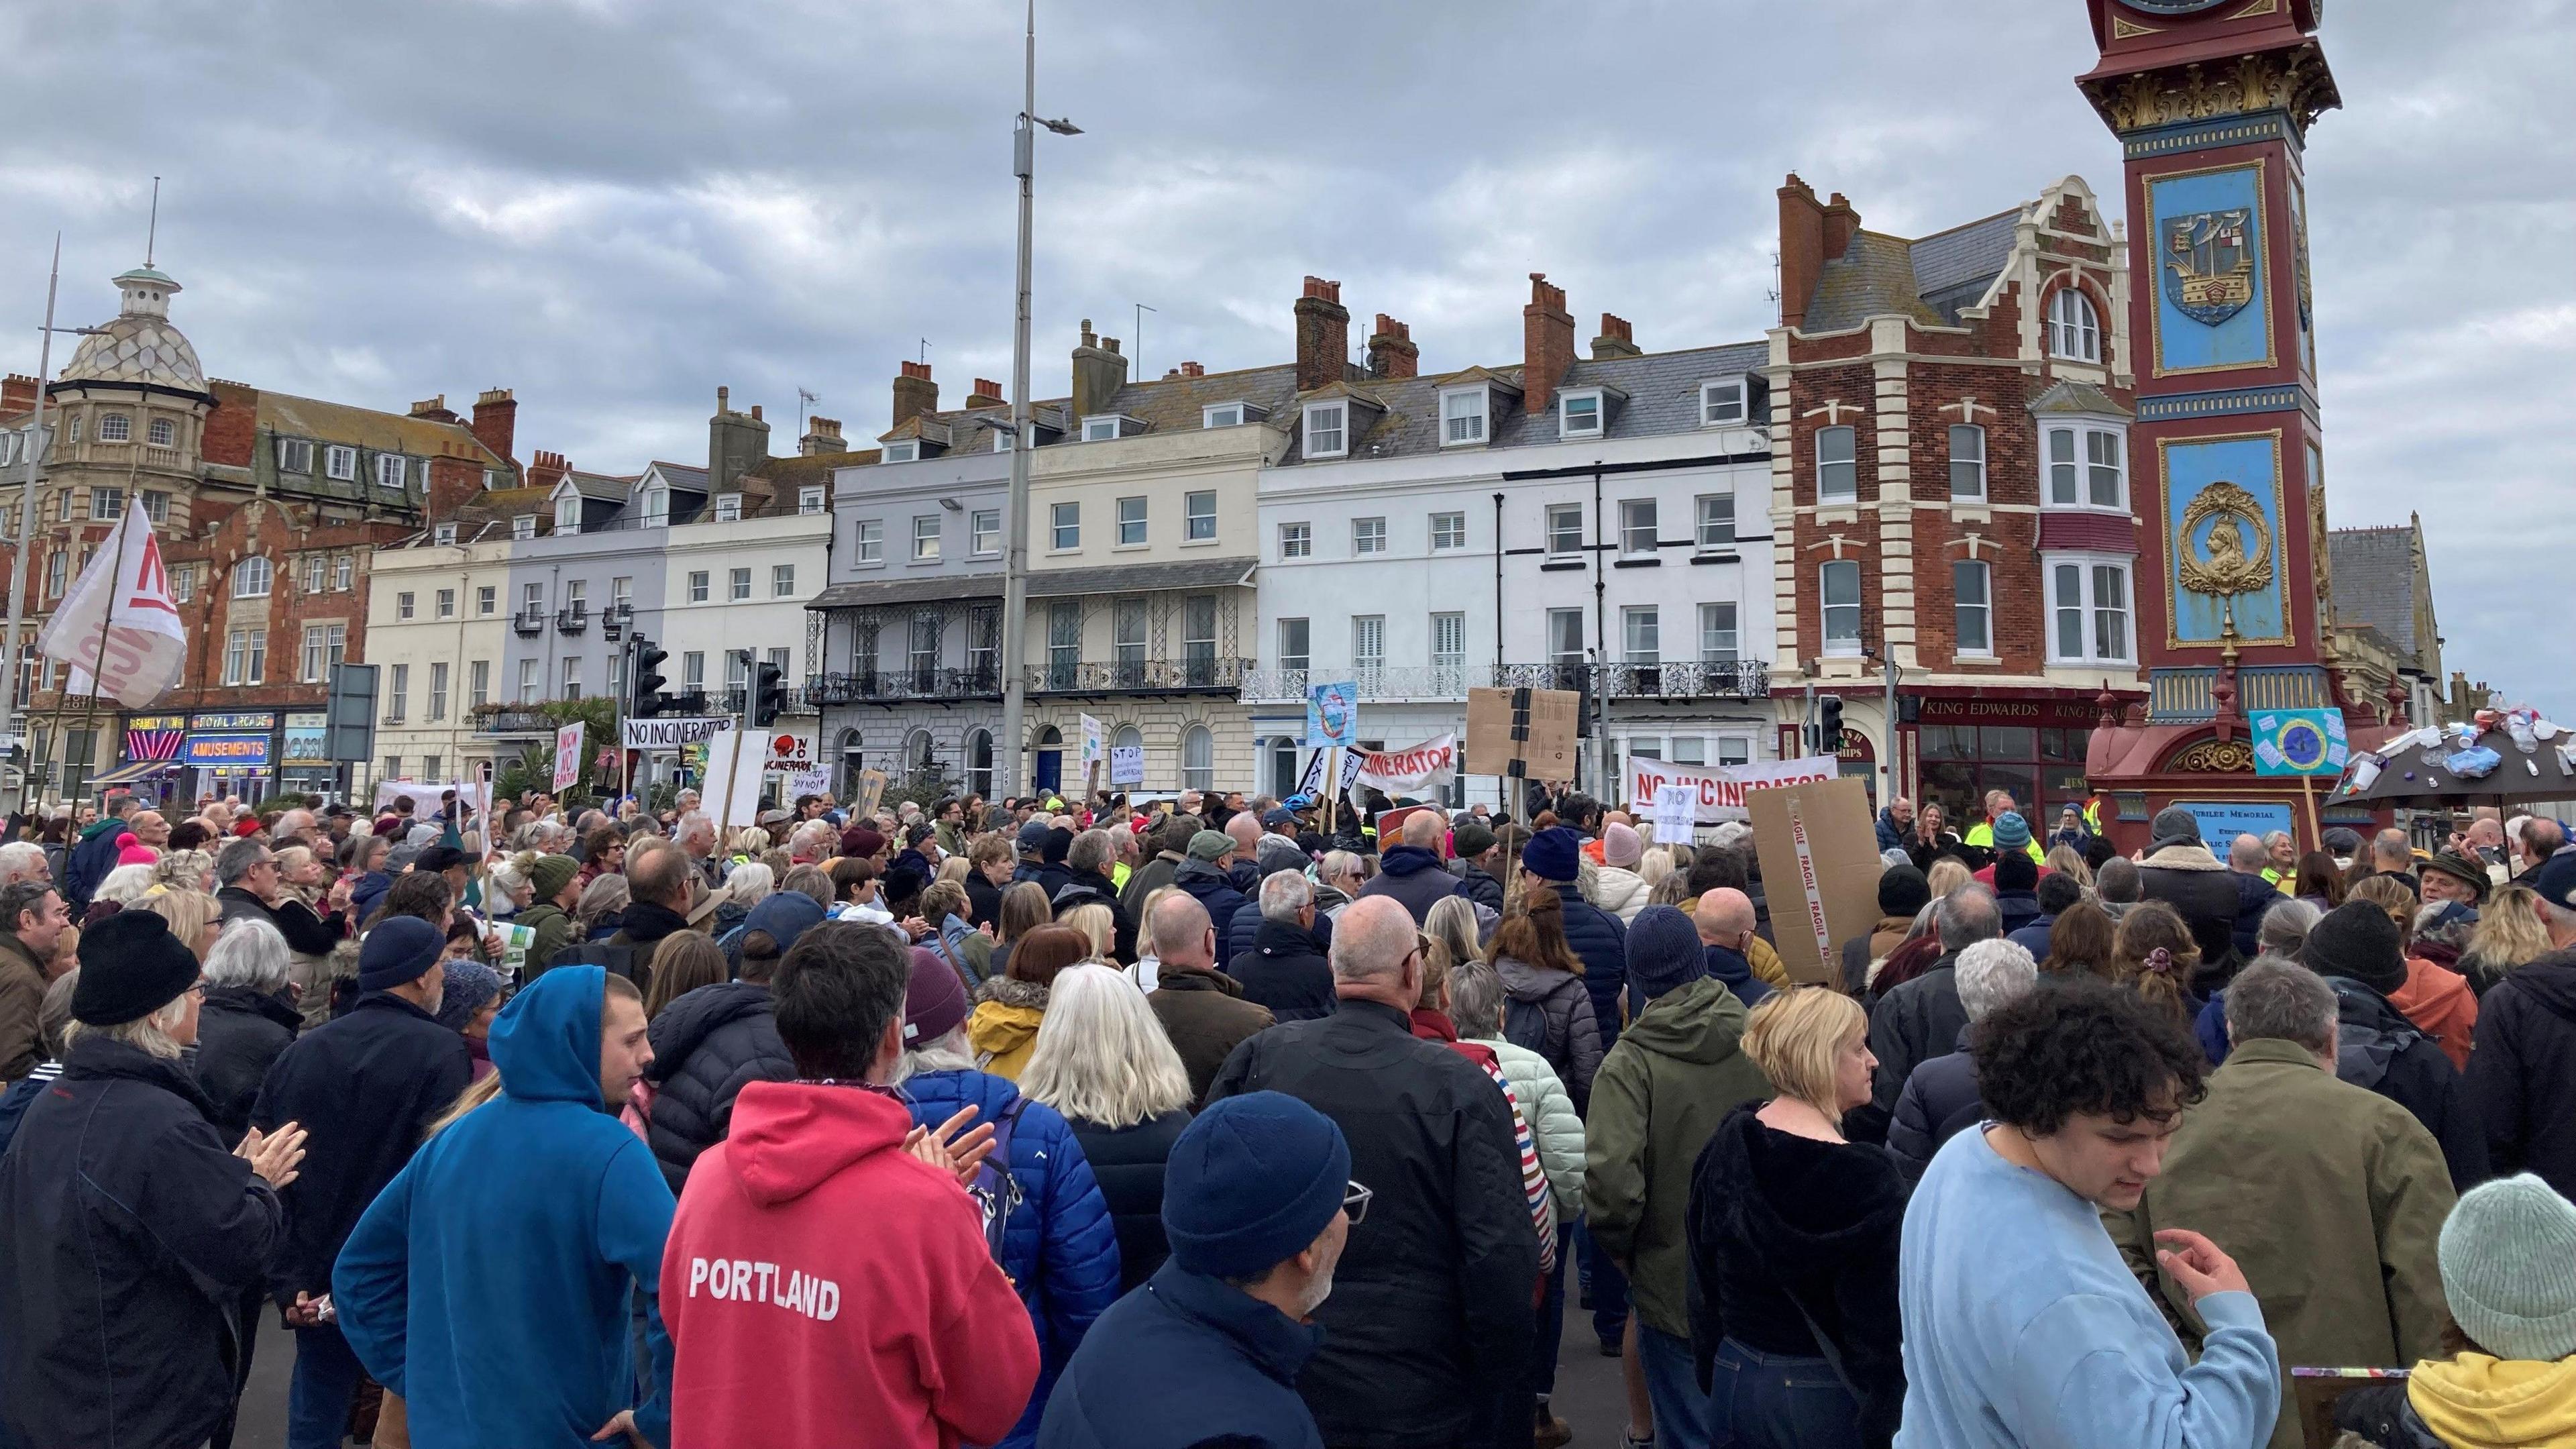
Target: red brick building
x=1950, y=490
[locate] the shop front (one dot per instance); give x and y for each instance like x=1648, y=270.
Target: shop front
x=232, y=754
x=149, y=763
x=1958, y=749
x=307, y=770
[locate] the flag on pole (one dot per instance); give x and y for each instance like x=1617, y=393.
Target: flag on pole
x=123, y=596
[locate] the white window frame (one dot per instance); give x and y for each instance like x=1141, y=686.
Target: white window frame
x=1327, y=430
x=438, y=672
x=529, y=684
x=183, y=586
x=1198, y=512
x=444, y=535
x=406, y=606
x=1466, y=416
x=445, y=602
x=1850, y=493
x=1828, y=645
x=1221, y=415
x=106, y=503
x=523, y=526
x=1581, y=413
x=2074, y=326
x=252, y=577
x=1368, y=644
x=1725, y=402
x=1631, y=524
x=925, y=542
x=907, y=451
x=478, y=683
x=343, y=570
x=1548, y=519
x=295, y=455
x=391, y=470
x=728, y=508
x=1448, y=532
x=1102, y=427
x=867, y=537
x=340, y=461
x=115, y=428
x=1136, y=515
x=532, y=600
x=1303, y=655
x=701, y=586
x=737, y=585
x=810, y=499
x=1984, y=609
x=1449, y=639
x=1296, y=540
x=2089, y=606
x=156, y=505
x=2082, y=438
x=1641, y=635
x=984, y=533
x=161, y=433
x=1368, y=536
x=1064, y=526
x=569, y=687
x=1973, y=457
x=1721, y=621
x=782, y=581
x=487, y=598
x=1711, y=530
x=568, y=512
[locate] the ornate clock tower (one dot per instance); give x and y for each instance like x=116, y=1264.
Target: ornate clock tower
x=2212, y=100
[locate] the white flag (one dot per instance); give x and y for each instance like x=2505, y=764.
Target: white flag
x=123, y=595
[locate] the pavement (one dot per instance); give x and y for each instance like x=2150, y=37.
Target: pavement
x=1589, y=1395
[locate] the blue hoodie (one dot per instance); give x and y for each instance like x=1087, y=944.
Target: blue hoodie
x=488, y=1284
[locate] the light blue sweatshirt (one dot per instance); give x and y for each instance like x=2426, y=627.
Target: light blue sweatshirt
x=2023, y=1327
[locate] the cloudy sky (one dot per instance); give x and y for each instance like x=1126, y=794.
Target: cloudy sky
x=614, y=206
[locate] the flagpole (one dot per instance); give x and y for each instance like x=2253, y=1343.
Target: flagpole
x=116, y=585
x=13, y=709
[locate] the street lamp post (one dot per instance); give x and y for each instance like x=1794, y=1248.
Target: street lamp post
x=1015, y=558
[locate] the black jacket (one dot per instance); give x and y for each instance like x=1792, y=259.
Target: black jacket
x=1208, y=886
x=1286, y=970
x=706, y=1045
x=1598, y=937
x=306, y=933
x=983, y=901
x=629, y=951
x=1912, y=1024
x=1414, y=877
x=1429, y=1323
x=1789, y=1236
x=1092, y=889
x=1478, y=885
x=908, y=874
x=2254, y=896
x=2522, y=1077
x=2202, y=888
x=128, y=1234
x=363, y=1086
x=1243, y=933
x=2378, y=1049
x=1128, y=1164
x=1939, y=1101
x=239, y=1036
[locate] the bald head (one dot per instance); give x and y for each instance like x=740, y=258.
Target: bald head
x=1372, y=942
x=1724, y=917
x=1422, y=828
x=1181, y=931
x=1244, y=831
x=2246, y=853
x=2389, y=850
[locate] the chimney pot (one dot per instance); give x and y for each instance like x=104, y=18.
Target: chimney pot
x=1192, y=369
x=1391, y=352
x=724, y=398
x=755, y=412
x=1323, y=335
x=1088, y=339
x=1802, y=248
x=1547, y=338
x=914, y=393
x=1616, y=340
x=985, y=393
x=1109, y=344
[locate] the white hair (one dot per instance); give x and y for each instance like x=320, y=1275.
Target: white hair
x=1283, y=894
x=947, y=1053
x=1733, y=835
x=750, y=884
x=1102, y=1055
x=127, y=884
x=1993, y=972
x=149, y=1033
x=249, y=952
x=24, y=859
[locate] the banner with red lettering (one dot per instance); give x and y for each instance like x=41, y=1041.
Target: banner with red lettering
x=119, y=620
x=1722, y=787
x=1425, y=767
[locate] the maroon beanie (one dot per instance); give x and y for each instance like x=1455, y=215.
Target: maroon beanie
x=934, y=1000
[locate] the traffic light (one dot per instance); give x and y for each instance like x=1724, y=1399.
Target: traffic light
x=646, y=695
x=768, y=696
x=1829, y=724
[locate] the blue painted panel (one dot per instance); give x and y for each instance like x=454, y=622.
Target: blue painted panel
x=2205, y=244
x=2192, y=468
x=2221, y=821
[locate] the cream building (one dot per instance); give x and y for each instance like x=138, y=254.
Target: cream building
x=437, y=630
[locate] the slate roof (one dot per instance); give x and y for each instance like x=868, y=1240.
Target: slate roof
x=1955, y=267
x=1929, y=280
x=304, y=417
x=679, y=475
x=1172, y=404
x=1196, y=573
x=602, y=487
x=2076, y=397
x=873, y=593
x=2375, y=571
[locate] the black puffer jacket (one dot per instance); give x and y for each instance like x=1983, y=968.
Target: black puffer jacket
x=1939, y=1102
x=1287, y=971
x=1919, y=1020
x=1127, y=1162
x=128, y=1234
x=706, y=1045
x=240, y=1035
x=2202, y=888
x=2522, y=1077
x=1478, y=885
x=1572, y=1039
x=1427, y=1332
x=1598, y=937
x=1788, y=1236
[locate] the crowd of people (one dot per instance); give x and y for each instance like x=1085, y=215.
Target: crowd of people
x=1216, y=1120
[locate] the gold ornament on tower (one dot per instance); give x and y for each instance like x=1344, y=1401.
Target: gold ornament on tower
x=2227, y=564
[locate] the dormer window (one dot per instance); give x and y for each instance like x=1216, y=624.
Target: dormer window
x=294, y=455
x=340, y=462
x=1221, y=415
x=1724, y=403
x=1328, y=430
x=657, y=507
x=444, y=535
x=809, y=499
x=728, y=507
x=568, y=512
x=1097, y=430
x=903, y=452
x=1001, y=441
x=390, y=471
x=523, y=525
x=1578, y=414
x=1463, y=416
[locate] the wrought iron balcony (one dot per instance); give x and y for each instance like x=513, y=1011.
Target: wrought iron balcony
x=1206, y=675
x=927, y=683
x=1740, y=679
x=529, y=623
x=512, y=719
x=613, y=621
x=572, y=619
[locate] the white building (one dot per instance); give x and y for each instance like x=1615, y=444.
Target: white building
x=437, y=631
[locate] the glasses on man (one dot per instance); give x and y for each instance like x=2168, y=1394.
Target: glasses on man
x=1355, y=1201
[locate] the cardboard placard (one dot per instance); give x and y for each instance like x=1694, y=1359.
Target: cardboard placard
x=808, y=782
x=872, y=785
x=1127, y=764
x=1719, y=790
x=1820, y=870
x=791, y=753
x=1676, y=808
x=1522, y=733
x=731, y=793
x=568, y=755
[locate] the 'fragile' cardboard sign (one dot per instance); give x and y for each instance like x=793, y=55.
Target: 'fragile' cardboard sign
x=1820, y=870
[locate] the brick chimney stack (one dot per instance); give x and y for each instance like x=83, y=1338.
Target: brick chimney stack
x=1615, y=339
x=822, y=435
x=17, y=393
x=547, y=469
x=1192, y=369
x=914, y=393
x=1802, y=248
x=1323, y=335
x=435, y=409
x=496, y=423
x=1547, y=343
x=986, y=393
x=1391, y=352
x=1840, y=222
x=1098, y=372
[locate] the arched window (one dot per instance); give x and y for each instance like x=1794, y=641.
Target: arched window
x=1198, y=759
x=979, y=762
x=251, y=578
x=114, y=427
x=162, y=433
x=1282, y=754
x=853, y=760
x=920, y=757
x=2074, y=332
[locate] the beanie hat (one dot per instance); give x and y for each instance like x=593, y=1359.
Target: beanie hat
x=1053, y=849
x=551, y=874
x=1211, y=846
x=400, y=950
x=2011, y=831
x=470, y=986
x=2173, y=826
x=1903, y=891
x=2557, y=882
x=2014, y=870
x=1252, y=1182
x=1554, y=854
x=934, y=999
x=1621, y=847
x=1031, y=836
x=1471, y=838
x=2357, y=940
x=1664, y=951
x=439, y=858
x=859, y=842
x=2463, y=869
x=130, y=850
x=132, y=965
x=2508, y=1255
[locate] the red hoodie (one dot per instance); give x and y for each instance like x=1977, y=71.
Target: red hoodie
x=825, y=1287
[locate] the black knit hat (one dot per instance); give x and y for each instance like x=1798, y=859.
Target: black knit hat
x=1902, y=891
x=2358, y=940
x=131, y=966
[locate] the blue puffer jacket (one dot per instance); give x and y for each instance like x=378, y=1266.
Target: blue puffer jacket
x=1602, y=942
x=1061, y=1247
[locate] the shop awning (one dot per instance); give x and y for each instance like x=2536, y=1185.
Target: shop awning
x=140, y=770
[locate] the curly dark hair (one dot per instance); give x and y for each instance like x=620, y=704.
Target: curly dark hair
x=2084, y=1047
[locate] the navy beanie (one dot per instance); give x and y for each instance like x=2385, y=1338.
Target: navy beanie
x=1251, y=1183
x=1555, y=853
x=1664, y=951
x=400, y=950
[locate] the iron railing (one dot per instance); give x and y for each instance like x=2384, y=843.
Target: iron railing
x=907, y=684
x=1738, y=679
x=529, y=623
x=1205, y=674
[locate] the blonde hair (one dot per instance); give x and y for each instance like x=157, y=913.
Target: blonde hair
x=148, y=1033
x=1655, y=865
x=1145, y=915
x=183, y=869
x=954, y=870
x=2391, y=895
x=2509, y=931
x=188, y=912
x=1101, y=1055
x=1946, y=875
x=475, y=1095
x=1794, y=1035
x=2064, y=860
x=1097, y=925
